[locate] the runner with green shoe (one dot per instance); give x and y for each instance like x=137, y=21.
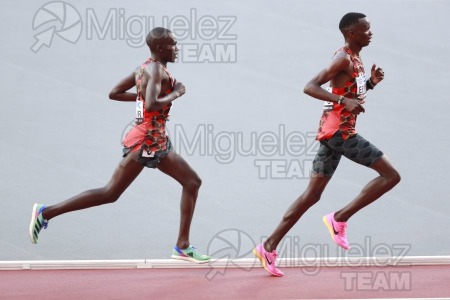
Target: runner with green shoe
x=145, y=145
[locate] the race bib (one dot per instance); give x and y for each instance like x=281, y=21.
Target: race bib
x=139, y=111
x=361, y=84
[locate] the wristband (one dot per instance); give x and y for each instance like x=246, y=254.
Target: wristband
x=340, y=99
x=369, y=83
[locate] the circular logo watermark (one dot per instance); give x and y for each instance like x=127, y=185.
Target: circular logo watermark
x=231, y=245
x=58, y=18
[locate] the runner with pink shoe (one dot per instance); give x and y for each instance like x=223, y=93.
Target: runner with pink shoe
x=344, y=101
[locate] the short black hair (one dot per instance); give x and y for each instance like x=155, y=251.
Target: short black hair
x=349, y=19
x=156, y=35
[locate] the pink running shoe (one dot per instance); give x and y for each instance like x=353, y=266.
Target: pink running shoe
x=268, y=260
x=337, y=230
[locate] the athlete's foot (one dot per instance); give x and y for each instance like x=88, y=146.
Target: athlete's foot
x=37, y=222
x=268, y=260
x=337, y=230
x=190, y=254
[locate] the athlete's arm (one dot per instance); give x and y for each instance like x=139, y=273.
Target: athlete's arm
x=153, y=89
x=314, y=87
x=119, y=92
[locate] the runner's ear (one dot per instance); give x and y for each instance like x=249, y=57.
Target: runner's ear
x=350, y=33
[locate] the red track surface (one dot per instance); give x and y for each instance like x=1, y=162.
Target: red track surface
x=336, y=282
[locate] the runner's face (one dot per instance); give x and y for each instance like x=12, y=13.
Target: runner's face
x=361, y=32
x=170, y=49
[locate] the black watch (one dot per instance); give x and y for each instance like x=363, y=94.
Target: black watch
x=369, y=83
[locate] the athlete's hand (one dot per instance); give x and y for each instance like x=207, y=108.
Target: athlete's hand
x=354, y=106
x=376, y=74
x=179, y=89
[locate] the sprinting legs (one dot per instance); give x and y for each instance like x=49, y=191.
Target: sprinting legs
x=172, y=164
x=389, y=177
x=125, y=173
x=176, y=167
x=310, y=197
x=327, y=159
x=122, y=177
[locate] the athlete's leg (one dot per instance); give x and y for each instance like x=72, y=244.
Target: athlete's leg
x=312, y=194
x=389, y=177
x=122, y=177
x=176, y=167
x=324, y=165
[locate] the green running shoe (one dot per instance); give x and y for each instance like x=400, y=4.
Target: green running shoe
x=190, y=254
